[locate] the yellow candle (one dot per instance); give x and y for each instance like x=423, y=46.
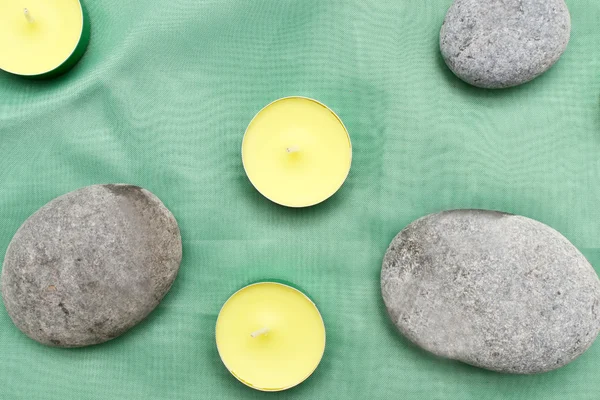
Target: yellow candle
x=296, y=152
x=270, y=336
x=42, y=38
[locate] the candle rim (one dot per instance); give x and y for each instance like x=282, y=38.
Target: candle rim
x=292, y=286
x=84, y=26
x=328, y=109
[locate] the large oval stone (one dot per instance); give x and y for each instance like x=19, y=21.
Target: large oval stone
x=494, y=290
x=90, y=264
x=502, y=43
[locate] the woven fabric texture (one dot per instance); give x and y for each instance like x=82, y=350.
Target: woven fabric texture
x=162, y=98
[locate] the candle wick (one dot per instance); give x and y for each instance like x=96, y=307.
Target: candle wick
x=293, y=149
x=260, y=332
x=28, y=16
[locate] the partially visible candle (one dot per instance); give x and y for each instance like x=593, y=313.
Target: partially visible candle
x=270, y=336
x=296, y=152
x=42, y=38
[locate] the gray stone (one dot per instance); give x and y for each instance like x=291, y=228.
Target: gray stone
x=90, y=264
x=502, y=43
x=494, y=290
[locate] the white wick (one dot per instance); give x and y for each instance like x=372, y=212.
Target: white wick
x=293, y=149
x=28, y=16
x=260, y=332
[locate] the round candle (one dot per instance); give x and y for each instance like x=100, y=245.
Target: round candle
x=42, y=38
x=270, y=336
x=296, y=152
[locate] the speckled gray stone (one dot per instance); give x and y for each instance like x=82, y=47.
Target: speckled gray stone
x=503, y=43
x=494, y=290
x=91, y=264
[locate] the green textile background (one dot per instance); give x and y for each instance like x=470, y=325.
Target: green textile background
x=162, y=99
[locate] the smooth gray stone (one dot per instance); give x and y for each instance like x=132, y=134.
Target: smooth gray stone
x=494, y=290
x=502, y=43
x=90, y=264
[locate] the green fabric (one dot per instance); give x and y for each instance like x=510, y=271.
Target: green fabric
x=162, y=98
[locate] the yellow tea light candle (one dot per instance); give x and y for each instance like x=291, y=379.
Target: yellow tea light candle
x=297, y=152
x=270, y=336
x=42, y=38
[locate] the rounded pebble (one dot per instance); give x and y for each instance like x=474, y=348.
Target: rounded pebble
x=90, y=264
x=494, y=290
x=502, y=43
